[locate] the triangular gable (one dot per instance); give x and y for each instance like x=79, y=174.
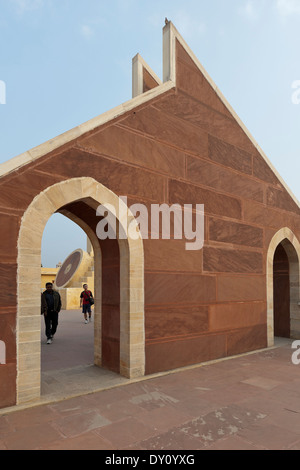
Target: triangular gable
x=176, y=50
x=143, y=77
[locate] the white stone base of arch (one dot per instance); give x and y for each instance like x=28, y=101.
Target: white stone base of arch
x=132, y=332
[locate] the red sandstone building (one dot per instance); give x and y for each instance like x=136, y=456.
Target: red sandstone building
x=157, y=305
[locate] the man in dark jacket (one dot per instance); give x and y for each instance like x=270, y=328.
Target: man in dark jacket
x=50, y=308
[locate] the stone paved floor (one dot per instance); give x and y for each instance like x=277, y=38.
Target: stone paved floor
x=248, y=402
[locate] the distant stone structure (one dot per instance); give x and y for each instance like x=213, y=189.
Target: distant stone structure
x=157, y=306
x=76, y=270
x=48, y=275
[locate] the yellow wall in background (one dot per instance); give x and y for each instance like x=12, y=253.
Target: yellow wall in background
x=48, y=275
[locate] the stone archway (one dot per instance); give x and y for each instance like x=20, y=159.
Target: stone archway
x=132, y=335
x=284, y=248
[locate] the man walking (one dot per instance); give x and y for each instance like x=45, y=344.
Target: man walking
x=50, y=308
x=86, y=300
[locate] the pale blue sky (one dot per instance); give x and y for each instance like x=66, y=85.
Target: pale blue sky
x=67, y=61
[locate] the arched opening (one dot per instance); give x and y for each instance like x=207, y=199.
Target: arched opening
x=281, y=296
x=107, y=281
x=73, y=343
x=283, y=286
x=118, y=284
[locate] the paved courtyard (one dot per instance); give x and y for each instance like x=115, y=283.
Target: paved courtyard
x=247, y=402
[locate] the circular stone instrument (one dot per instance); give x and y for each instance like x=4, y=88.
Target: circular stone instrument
x=72, y=269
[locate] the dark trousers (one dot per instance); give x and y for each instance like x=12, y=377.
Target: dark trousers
x=51, y=322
